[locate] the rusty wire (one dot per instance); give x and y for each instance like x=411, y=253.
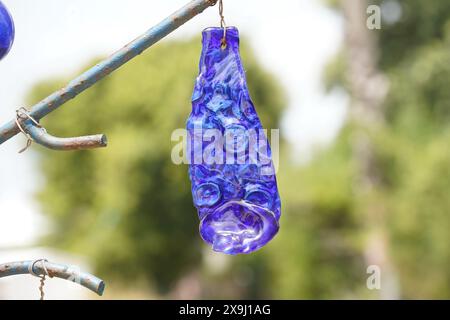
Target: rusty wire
x=41, y=277
x=24, y=112
x=223, y=24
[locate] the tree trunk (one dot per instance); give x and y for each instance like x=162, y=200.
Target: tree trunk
x=368, y=88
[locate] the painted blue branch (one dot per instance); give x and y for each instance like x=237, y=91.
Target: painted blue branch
x=101, y=70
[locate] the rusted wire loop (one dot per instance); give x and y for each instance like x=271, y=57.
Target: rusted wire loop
x=44, y=267
x=21, y=115
x=223, y=24
x=40, y=276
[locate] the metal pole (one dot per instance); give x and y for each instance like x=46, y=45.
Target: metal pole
x=69, y=273
x=101, y=70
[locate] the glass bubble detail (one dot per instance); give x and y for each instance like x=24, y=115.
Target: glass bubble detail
x=236, y=194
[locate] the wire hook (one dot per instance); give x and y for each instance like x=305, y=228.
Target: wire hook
x=223, y=25
x=42, y=277
x=19, y=116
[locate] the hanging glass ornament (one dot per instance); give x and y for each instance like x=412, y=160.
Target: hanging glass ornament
x=6, y=31
x=235, y=192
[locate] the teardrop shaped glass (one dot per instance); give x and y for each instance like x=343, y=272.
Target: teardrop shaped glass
x=235, y=192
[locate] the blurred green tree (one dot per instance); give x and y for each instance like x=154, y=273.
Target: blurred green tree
x=128, y=207
x=325, y=245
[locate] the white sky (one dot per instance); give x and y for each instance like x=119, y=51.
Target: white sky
x=293, y=38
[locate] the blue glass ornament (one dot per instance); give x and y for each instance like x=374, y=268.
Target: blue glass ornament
x=6, y=31
x=236, y=194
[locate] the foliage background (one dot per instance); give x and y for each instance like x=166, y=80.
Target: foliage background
x=129, y=209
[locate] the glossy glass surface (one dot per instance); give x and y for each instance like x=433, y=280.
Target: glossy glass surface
x=6, y=31
x=237, y=201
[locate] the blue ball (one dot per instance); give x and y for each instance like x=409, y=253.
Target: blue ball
x=6, y=31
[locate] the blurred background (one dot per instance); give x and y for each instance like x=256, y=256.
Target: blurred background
x=364, y=173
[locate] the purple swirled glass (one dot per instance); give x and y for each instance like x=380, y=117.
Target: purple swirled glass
x=6, y=31
x=235, y=192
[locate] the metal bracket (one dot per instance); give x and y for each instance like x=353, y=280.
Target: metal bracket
x=94, y=75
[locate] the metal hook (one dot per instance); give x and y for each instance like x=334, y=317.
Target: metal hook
x=42, y=277
x=69, y=273
x=223, y=25
x=109, y=65
x=35, y=132
x=19, y=114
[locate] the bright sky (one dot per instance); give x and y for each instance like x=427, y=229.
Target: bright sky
x=293, y=38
